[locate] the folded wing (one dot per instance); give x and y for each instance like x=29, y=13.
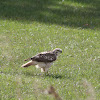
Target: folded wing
x=44, y=57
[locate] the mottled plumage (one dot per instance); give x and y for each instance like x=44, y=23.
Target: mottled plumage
x=43, y=60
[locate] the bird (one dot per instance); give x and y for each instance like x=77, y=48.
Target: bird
x=43, y=60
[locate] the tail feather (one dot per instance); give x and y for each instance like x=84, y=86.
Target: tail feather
x=29, y=64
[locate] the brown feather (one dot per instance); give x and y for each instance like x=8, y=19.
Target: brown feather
x=44, y=57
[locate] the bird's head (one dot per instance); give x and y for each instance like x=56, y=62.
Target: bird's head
x=57, y=51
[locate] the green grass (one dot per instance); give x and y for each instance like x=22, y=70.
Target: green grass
x=28, y=27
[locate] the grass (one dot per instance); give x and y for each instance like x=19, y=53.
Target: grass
x=30, y=27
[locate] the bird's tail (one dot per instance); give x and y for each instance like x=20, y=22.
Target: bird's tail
x=29, y=64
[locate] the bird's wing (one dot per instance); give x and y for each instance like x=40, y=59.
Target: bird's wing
x=44, y=57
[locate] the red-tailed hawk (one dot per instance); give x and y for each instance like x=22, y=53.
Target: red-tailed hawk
x=43, y=60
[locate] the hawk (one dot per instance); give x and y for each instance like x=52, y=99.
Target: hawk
x=43, y=60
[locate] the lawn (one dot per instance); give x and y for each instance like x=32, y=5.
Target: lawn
x=28, y=27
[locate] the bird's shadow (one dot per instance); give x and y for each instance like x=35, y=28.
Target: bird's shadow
x=56, y=76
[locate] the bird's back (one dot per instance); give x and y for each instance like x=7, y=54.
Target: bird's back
x=44, y=57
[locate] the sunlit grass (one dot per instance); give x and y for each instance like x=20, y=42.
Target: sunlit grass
x=21, y=38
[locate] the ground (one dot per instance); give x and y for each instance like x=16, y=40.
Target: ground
x=28, y=27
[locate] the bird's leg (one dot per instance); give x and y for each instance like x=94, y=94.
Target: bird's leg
x=42, y=69
x=45, y=70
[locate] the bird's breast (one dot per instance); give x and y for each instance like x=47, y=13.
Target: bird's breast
x=42, y=65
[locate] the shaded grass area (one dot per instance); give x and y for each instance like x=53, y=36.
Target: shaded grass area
x=71, y=13
x=30, y=27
